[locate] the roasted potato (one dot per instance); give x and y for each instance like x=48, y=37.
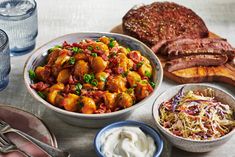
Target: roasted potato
x=132, y=78
x=55, y=70
x=88, y=105
x=51, y=96
x=98, y=64
x=87, y=86
x=53, y=91
x=109, y=100
x=124, y=100
x=101, y=85
x=101, y=46
x=130, y=64
x=101, y=76
x=81, y=67
x=145, y=60
x=62, y=58
x=104, y=40
x=123, y=50
x=145, y=70
x=116, y=84
x=122, y=61
x=63, y=76
x=52, y=57
x=81, y=56
x=58, y=86
x=58, y=100
x=42, y=73
x=70, y=102
x=142, y=89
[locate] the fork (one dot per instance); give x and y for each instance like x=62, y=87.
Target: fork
x=6, y=146
x=52, y=151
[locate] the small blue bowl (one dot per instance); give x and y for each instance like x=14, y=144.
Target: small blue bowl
x=145, y=128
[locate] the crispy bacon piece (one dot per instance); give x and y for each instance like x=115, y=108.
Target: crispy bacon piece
x=40, y=86
x=72, y=80
x=104, y=57
x=65, y=44
x=119, y=70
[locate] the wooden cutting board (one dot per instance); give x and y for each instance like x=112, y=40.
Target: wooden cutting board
x=224, y=73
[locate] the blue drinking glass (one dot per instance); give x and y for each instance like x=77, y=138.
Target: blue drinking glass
x=18, y=18
x=5, y=64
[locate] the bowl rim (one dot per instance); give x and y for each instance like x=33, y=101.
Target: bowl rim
x=156, y=136
x=166, y=131
x=94, y=116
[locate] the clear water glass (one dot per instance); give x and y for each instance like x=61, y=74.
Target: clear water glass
x=5, y=64
x=18, y=18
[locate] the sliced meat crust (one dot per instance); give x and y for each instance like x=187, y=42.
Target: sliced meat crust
x=195, y=60
x=186, y=47
x=159, y=22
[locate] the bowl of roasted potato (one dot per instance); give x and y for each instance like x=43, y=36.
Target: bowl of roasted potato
x=93, y=79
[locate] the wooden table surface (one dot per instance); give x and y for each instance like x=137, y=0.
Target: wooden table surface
x=59, y=17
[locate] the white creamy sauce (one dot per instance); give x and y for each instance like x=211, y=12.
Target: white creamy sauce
x=127, y=142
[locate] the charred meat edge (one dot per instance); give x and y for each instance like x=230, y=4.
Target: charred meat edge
x=195, y=60
x=186, y=47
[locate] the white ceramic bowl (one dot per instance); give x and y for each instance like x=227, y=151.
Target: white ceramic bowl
x=92, y=120
x=188, y=144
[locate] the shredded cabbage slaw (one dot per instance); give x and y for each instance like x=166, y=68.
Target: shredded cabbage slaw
x=196, y=115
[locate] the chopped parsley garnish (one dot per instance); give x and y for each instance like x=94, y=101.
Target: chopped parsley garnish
x=124, y=74
x=130, y=91
x=111, y=40
x=72, y=60
x=78, y=88
x=87, y=78
x=128, y=49
x=148, y=74
x=80, y=50
x=77, y=50
x=139, y=64
x=152, y=84
x=55, y=47
x=92, y=76
x=143, y=82
x=32, y=75
x=112, y=54
x=41, y=95
x=90, y=48
x=111, y=43
x=80, y=105
x=94, y=54
x=94, y=82
x=102, y=78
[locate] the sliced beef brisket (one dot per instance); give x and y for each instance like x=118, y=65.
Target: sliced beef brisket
x=159, y=22
x=185, y=47
x=195, y=60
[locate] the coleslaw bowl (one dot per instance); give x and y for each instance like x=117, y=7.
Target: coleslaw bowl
x=92, y=120
x=187, y=144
